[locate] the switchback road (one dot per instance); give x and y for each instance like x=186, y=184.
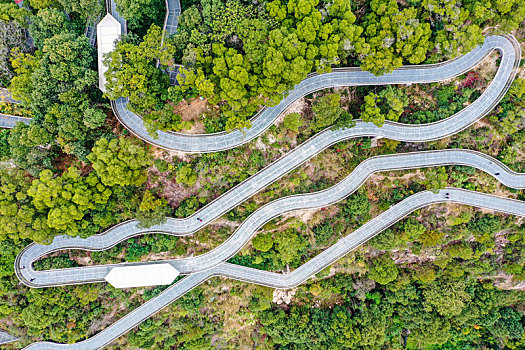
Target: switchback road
x=205, y=266
x=203, y=143
x=249, y=227
x=301, y=274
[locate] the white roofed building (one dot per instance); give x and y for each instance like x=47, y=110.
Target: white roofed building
x=108, y=30
x=141, y=275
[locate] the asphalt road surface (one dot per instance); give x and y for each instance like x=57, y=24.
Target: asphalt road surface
x=200, y=268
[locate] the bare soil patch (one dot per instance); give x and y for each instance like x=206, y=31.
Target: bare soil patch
x=175, y=193
x=191, y=111
x=487, y=68
x=296, y=107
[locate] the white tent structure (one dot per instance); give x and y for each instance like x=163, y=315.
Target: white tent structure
x=141, y=275
x=108, y=30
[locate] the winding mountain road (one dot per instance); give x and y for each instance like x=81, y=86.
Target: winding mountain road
x=301, y=274
x=249, y=227
x=204, y=143
x=202, y=267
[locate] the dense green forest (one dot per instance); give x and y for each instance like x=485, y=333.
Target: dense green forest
x=445, y=277
x=242, y=56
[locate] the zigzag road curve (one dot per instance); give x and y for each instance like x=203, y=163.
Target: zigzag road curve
x=213, y=265
x=248, y=228
x=301, y=274
x=287, y=163
x=203, y=143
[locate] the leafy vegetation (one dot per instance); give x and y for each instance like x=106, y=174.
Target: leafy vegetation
x=446, y=277
x=241, y=56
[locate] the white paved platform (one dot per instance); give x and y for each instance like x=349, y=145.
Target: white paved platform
x=108, y=30
x=133, y=276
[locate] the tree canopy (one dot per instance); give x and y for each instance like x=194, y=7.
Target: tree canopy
x=120, y=161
